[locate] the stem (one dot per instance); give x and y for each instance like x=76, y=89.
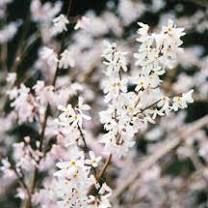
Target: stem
x=102, y=172
x=86, y=148
x=93, y=190
x=23, y=184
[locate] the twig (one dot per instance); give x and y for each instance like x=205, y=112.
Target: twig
x=86, y=148
x=102, y=172
x=93, y=189
x=23, y=184
x=164, y=149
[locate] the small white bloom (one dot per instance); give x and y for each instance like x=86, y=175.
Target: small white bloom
x=8, y=32
x=83, y=107
x=187, y=97
x=114, y=59
x=113, y=87
x=60, y=24
x=82, y=23
x=182, y=102
x=93, y=161
x=68, y=117
x=66, y=60
x=49, y=56
x=73, y=117
x=11, y=78
x=142, y=82
x=105, y=190
x=6, y=168
x=142, y=31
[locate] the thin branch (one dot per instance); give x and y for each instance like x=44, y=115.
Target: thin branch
x=164, y=149
x=86, y=148
x=22, y=183
x=102, y=172
x=93, y=190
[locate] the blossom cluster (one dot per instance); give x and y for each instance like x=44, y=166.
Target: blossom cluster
x=129, y=110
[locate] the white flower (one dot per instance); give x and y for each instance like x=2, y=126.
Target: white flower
x=21, y=193
x=6, y=168
x=82, y=23
x=173, y=34
x=128, y=112
x=49, y=56
x=11, y=78
x=68, y=117
x=44, y=13
x=8, y=32
x=73, y=181
x=24, y=103
x=83, y=107
x=113, y=87
x=114, y=59
x=4, y=2
x=142, y=83
x=69, y=169
x=182, y=102
x=60, y=24
x=143, y=32
x=66, y=60
x=164, y=105
x=73, y=117
x=25, y=156
x=187, y=97
x=93, y=161
x=102, y=200
x=158, y=50
x=105, y=190
x=130, y=11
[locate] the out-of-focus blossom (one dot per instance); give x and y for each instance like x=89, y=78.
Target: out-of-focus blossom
x=60, y=24
x=93, y=161
x=44, y=13
x=11, y=78
x=66, y=60
x=136, y=8
x=182, y=102
x=9, y=31
x=82, y=23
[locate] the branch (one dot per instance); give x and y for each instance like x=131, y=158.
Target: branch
x=164, y=149
x=21, y=180
x=93, y=190
x=85, y=148
x=102, y=172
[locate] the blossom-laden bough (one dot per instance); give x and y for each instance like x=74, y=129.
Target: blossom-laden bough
x=71, y=159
